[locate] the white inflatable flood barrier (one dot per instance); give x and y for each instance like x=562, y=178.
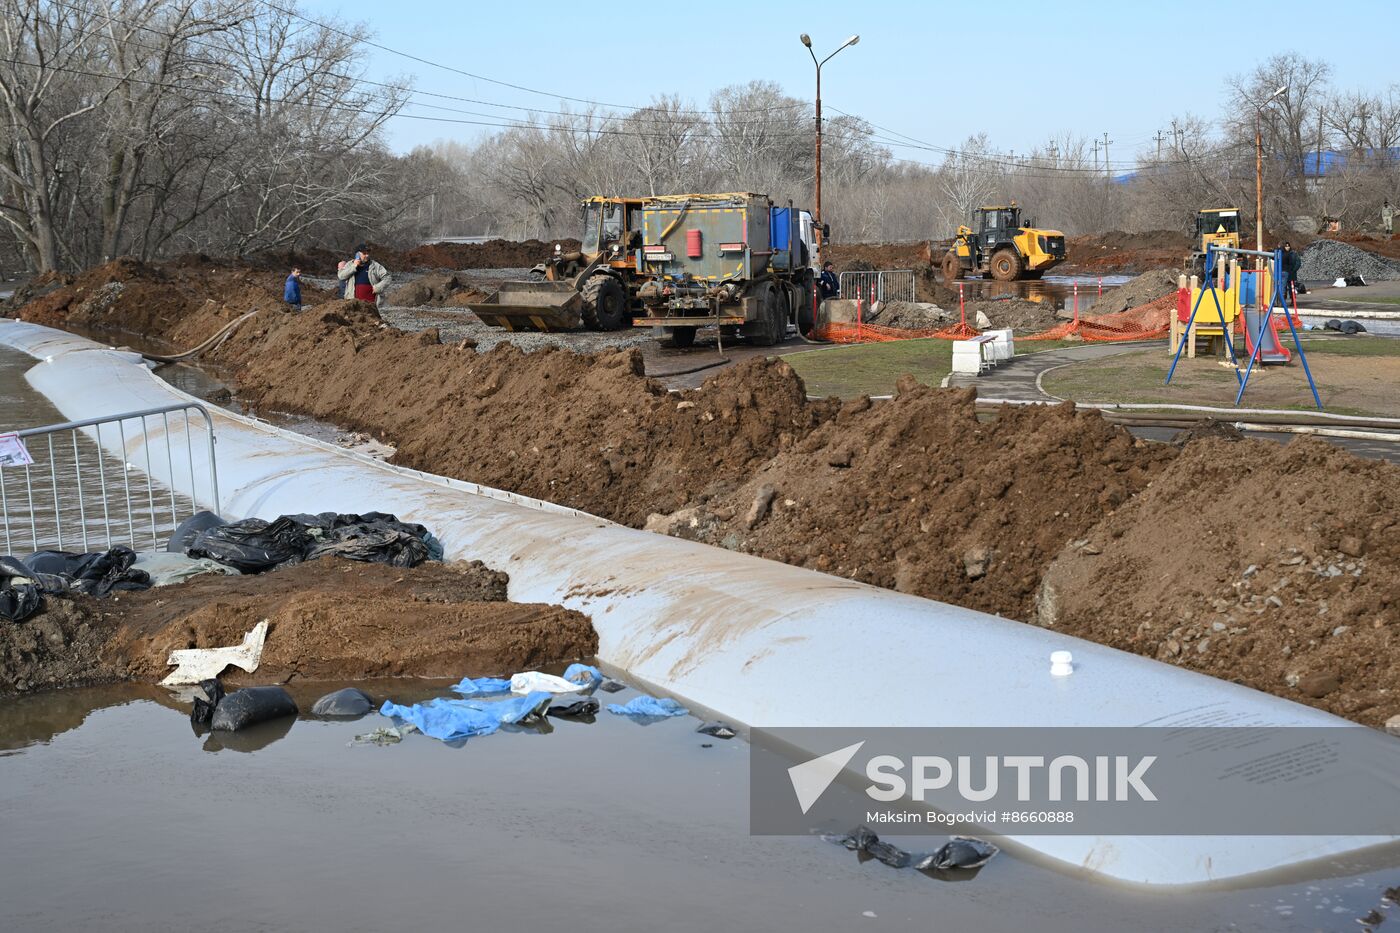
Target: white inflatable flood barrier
x=759, y=642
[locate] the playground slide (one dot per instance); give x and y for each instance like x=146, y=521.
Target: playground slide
x=1273, y=350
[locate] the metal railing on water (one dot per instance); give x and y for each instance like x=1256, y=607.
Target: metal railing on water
x=66, y=485
x=870, y=287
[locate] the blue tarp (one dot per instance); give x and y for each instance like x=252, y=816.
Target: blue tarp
x=650, y=707
x=481, y=687
x=583, y=674
x=457, y=719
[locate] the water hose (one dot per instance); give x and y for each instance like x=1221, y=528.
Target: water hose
x=218, y=337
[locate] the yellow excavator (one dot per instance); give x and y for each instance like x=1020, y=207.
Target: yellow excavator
x=1002, y=247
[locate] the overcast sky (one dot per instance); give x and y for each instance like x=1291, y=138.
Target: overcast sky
x=935, y=71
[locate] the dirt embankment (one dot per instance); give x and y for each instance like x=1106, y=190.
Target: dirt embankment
x=329, y=619
x=1048, y=514
x=1274, y=566
x=1115, y=253
x=919, y=495
x=436, y=289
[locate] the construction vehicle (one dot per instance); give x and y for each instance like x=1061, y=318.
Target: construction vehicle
x=1215, y=226
x=733, y=260
x=1002, y=247
x=594, y=287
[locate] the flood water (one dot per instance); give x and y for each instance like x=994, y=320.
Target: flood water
x=1058, y=292
x=117, y=815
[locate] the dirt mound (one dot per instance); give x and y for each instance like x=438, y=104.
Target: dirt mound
x=1283, y=574
x=1113, y=253
x=1020, y=314
x=494, y=254
x=174, y=301
x=871, y=257
x=330, y=619
x=919, y=495
x=591, y=432
x=912, y=316
x=436, y=289
x=1135, y=292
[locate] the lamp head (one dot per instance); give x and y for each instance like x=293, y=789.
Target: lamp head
x=851, y=41
x=806, y=40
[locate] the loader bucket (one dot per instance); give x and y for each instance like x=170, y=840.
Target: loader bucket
x=543, y=306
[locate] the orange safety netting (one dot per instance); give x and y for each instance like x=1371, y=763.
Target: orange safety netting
x=1141, y=323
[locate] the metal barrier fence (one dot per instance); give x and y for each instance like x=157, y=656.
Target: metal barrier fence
x=73, y=480
x=870, y=287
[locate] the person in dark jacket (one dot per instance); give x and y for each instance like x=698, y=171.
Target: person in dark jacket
x=828, y=283
x=291, y=292
x=1292, y=262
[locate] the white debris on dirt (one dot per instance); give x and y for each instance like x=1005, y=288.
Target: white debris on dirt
x=1331, y=259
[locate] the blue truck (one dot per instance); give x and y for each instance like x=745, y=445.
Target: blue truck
x=736, y=261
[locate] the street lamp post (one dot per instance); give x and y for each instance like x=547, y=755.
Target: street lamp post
x=1259, y=167
x=807, y=41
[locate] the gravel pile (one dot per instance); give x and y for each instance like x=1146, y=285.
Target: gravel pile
x=1326, y=260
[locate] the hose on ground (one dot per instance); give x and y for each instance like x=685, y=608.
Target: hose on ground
x=218, y=337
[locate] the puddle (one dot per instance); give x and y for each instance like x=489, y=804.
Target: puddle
x=1054, y=291
x=609, y=825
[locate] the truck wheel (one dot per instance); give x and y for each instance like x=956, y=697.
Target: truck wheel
x=806, y=311
x=678, y=337
x=767, y=328
x=605, y=304
x=1006, y=265
x=952, y=269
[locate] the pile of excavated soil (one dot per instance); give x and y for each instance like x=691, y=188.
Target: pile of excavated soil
x=1136, y=292
x=1273, y=566
x=329, y=619
x=916, y=315
x=1020, y=314
x=590, y=432
x=887, y=257
x=1114, y=252
x=918, y=495
x=436, y=289
x=158, y=301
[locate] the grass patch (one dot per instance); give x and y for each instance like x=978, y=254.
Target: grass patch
x=1348, y=346
x=873, y=368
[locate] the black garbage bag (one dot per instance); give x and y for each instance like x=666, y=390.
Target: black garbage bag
x=254, y=545
x=857, y=840
x=1351, y=328
x=581, y=709
x=347, y=702
x=961, y=852
x=184, y=534
x=20, y=593
x=204, y=706
x=375, y=536
x=250, y=706
x=1332, y=324
x=95, y=574
x=891, y=855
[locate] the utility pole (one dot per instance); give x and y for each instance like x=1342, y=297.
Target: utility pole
x=1176, y=137
x=1054, y=154
x=1107, y=169
x=1259, y=169
x=1096, y=156
x=1160, y=137
x=807, y=41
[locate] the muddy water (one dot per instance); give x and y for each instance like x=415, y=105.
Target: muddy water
x=141, y=521
x=116, y=814
x=1054, y=291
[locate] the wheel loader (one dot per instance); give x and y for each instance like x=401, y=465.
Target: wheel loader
x=1215, y=226
x=1000, y=246
x=594, y=287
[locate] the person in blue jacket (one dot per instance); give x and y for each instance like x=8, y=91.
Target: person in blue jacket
x=291, y=292
x=829, y=284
